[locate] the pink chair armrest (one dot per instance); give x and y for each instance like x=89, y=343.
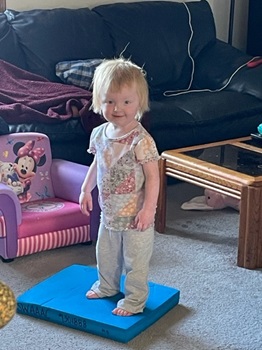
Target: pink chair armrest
x=10, y=208
x=67, y=178
x=9, y=198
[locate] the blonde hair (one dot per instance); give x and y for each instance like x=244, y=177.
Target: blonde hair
x=113, y=75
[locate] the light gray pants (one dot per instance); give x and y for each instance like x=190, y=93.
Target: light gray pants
x=119, y=251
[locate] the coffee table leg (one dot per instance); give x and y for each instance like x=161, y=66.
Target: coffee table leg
x=161, y=204
x=250, y=228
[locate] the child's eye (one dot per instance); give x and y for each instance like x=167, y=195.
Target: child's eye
x=127, y=102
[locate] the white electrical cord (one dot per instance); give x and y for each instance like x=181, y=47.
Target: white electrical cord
x=170, y=93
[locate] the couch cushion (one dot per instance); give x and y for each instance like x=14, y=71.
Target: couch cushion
x=50, y=36
x=196, y=108
x=10, y=49
x=156, y=35
x=201, y=117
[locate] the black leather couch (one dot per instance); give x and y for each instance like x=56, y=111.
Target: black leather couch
x=177, y=46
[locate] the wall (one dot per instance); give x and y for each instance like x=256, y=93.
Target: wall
x=220, y=9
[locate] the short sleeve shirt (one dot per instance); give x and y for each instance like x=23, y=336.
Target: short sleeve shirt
x=120, y=176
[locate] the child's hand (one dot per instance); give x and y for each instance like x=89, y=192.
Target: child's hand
x=86, y=202
x=144, y=219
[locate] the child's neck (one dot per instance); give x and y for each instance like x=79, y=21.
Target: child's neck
x=115, y=131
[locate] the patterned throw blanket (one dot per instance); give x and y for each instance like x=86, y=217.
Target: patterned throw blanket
x=27, y=98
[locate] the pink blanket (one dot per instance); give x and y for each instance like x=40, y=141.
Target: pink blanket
x=27, y=97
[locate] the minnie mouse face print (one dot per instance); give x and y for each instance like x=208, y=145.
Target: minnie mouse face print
x=24, y=168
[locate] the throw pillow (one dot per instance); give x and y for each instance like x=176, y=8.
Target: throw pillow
x=79, y=73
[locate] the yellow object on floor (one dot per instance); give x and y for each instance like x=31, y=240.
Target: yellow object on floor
x=7, y=304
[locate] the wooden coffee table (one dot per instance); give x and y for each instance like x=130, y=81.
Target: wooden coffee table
x=232, y=167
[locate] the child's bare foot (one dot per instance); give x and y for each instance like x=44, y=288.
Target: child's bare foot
x=121, y=312
x=91, y=295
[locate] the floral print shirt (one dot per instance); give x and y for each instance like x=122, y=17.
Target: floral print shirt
x=120, y=176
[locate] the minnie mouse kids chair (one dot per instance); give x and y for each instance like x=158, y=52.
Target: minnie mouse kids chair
x=39, y=207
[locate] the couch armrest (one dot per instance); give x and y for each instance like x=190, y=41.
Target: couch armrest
x=67, y=179
x=248, y=81
x=216, y=64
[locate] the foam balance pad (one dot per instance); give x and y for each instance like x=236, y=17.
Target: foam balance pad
x=61, y=299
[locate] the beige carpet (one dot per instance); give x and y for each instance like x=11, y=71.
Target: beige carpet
x=220, y=305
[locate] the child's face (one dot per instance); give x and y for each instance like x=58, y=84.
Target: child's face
x=121, y=107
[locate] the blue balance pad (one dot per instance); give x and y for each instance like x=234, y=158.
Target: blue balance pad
x=61, y=299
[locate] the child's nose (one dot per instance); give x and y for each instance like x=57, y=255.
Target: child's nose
x=117, y=108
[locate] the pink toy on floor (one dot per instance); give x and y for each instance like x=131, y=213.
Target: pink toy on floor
x=211, y=200
x=218, y=200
